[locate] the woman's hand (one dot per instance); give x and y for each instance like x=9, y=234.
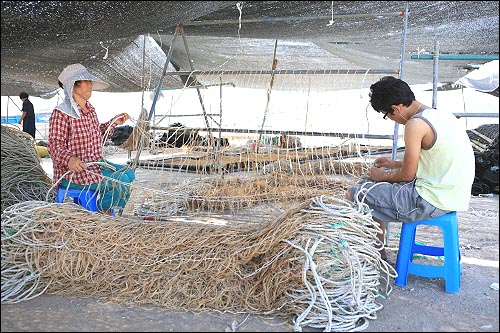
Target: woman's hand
x=76, y=165
x=121, y=119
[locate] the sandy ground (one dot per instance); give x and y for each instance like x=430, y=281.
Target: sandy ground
x=422, y=305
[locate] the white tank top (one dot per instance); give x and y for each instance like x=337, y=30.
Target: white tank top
x=446, y=171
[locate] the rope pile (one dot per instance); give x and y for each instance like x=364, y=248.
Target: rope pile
x=234, y=197
x=318, y=262
x=237, y=193
x=23, y=178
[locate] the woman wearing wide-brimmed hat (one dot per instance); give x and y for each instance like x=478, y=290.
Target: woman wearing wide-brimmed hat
x=75, y=142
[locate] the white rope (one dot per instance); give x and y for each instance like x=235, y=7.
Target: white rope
x=343, y=297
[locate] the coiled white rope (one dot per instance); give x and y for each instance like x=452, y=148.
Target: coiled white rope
x=341, y=291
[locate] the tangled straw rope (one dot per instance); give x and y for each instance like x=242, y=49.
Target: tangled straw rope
x=237, y=193
x=22, y=176
x=318, y=262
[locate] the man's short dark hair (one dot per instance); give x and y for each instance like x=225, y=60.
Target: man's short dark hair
x=389, y=91
x=23, y=95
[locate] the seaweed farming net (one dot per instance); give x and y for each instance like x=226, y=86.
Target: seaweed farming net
x=218, y=148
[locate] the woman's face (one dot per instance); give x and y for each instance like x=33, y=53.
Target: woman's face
x=83, y=89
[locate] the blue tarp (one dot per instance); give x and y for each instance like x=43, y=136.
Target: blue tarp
x=39, y=118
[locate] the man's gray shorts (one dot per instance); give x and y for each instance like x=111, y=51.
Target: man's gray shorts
x=391, y=202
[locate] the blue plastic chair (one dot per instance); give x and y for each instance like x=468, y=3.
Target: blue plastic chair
x=85, y=198
x=452, y=268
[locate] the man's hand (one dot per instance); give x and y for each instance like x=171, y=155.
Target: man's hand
x=387, y=163
x=383, y=162
x=76, y=165
x=375, y=173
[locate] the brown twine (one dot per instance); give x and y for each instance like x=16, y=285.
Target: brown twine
x=186, y=266
x=140, y=132
x=237, y=193
x=177, y=265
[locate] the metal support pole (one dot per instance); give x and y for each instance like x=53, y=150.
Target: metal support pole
x=7, y=121
x=157, y=94
x=219, y=147
x=209, y=137
x=475, y=115
x=353, y=71
x=435, y=74
x=396, y=125
x=304, y=133
x=479, y=57
x=401, y=63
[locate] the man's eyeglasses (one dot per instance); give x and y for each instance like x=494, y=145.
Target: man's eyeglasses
x=385, y=115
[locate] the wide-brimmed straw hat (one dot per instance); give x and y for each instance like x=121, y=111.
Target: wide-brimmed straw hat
x=77, y=72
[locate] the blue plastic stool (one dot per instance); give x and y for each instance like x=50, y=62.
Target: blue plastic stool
x=452, y=268
x=85, y=198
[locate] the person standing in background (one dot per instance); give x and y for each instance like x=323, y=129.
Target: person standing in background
x=28, y=117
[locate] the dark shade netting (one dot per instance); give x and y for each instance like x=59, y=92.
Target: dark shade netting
x=39, y=38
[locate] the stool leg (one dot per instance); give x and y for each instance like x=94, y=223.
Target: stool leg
x=60, y=195
x=88, y=200
x=405, y=253
x=452, y=264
